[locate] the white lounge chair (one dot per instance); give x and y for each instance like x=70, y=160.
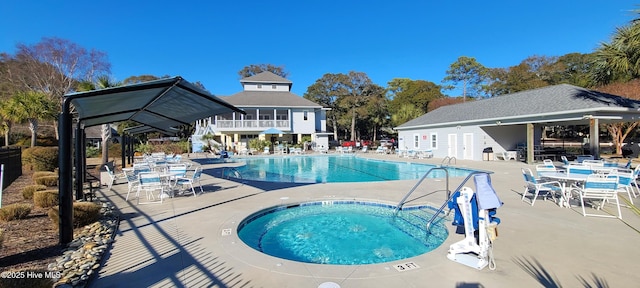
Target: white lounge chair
x=500, y=156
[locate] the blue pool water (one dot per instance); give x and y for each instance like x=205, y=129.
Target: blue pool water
x=342, y=232
x=338, y=168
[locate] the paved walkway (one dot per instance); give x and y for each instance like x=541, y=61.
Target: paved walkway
x=185, y=242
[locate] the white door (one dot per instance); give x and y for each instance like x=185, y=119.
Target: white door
x=452, y=145
x=467, y=146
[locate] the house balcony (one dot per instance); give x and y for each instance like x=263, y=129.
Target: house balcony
x=251, y=125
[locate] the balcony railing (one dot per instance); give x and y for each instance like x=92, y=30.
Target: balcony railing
x=257, y=125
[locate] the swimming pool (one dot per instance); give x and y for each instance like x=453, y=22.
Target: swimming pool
x=342, y=232
x=336, y=168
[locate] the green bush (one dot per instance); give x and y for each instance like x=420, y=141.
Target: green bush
x=258, y=144
x=27, y=191
x=93, y=152
x=84, y=213
x=14, y=211
x=24, y=281
x=144, y=148
x=47, y=180
x=40, y=158
x=45, y=198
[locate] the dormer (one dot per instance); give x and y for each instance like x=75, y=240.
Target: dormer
x=266, y=82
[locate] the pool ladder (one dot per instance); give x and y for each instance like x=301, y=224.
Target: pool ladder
x=448, y=160
x=404, y=199
x=233, y=171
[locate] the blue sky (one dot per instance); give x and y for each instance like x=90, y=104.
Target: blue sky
x=210, y=41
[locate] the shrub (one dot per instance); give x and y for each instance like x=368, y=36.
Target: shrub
x=38, y=174
x=47, y=180
x=45, y=198
x=1, y=238
x=20, y=279
x=84, y=213
x=40, y=158
x=27, y=191
x=14, y=211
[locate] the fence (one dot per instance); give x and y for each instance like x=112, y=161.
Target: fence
x=12, y=160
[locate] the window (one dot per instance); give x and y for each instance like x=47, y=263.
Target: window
x=265, y=117
x=273, y=86
x=416, y=141
x=259, y=86
x=434, y=140
x=305, y=116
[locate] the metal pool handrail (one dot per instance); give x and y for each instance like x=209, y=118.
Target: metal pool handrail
x=418, y=184
x=435, y=215
x=448, y=160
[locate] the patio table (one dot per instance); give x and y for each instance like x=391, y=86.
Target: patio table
x=564, y=179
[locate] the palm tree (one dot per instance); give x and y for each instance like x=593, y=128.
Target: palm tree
x=32, y=106
x=7, y=118
x=620, y=59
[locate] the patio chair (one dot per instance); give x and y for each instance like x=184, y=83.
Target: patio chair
x=636, y=178
x=579, y=169
x=548, y=163
x=625, y=182
x=365, y=149
x=132, y=183
x=150, y=182
x=113, y=177
x=380, y=150
x=194, y=179
x=598, y=190
x=564, y=159
x=581, y=158
x=541, y=168
x=176, y=171
x=535, y=186
x=265, y=151
x=593, y=163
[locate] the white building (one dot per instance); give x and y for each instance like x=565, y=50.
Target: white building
x=509, y=121
x=268, y=102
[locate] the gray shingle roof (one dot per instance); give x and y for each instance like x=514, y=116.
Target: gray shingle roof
x=266, y=77
x=554, y=102
x=268, y=99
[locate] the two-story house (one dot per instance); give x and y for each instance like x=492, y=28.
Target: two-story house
x=269, y=104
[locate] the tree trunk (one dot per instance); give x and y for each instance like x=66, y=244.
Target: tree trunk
x=105, y=135
x=33, y=127
x=105, y=152
x=353, y=126
x=7, y=132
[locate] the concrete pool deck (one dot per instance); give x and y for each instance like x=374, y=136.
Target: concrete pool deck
x=192, y=241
